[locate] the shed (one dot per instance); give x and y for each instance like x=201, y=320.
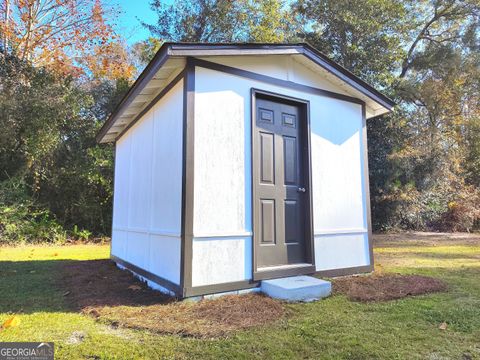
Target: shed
x=236, y=163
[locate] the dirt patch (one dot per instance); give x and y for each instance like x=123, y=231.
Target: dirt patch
x=386, y=286
x=98, y=288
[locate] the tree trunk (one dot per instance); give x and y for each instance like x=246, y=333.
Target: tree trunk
x=6, y=31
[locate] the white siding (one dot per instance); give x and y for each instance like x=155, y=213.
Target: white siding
x=148, y=189
x=337, y=251
x=220, y=164
x=292, y=68
x=223, y=186
x=220, y=260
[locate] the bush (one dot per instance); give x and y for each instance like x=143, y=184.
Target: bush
x=463, y=214
x=446, y=206
x=22, y=220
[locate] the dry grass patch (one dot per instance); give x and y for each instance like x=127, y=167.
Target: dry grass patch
x=425, y=239
x=386, y=286
x=98, y=288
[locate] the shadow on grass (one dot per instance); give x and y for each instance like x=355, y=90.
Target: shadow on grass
x=70, y=286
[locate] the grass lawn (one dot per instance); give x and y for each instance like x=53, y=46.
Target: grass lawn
x=329, y=329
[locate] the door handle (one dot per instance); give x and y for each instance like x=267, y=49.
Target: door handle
x=301, y=189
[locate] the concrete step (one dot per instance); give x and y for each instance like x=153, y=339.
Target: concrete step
x=296, y=288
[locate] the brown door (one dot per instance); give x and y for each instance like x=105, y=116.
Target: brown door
x=280, y=193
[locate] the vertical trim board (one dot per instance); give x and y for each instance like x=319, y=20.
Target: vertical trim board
x=188, y=176
x=367, y=185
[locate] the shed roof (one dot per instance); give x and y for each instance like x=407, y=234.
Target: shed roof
x=170, y=60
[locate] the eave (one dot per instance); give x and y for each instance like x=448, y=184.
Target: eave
x=170, y=60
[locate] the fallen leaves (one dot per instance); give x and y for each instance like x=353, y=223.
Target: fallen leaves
x=10, y=322
x=135, y=287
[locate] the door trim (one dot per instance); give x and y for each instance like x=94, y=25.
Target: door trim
x=304, y=107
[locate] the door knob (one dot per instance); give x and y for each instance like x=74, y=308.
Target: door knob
x=301, y=189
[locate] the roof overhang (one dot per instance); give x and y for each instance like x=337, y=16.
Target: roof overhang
x=170, y=61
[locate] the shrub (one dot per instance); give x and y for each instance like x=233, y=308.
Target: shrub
x=463, y=214
x=22, y=220
x=81, y=234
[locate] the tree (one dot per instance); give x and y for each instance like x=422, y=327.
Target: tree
x=57, y=33
x=112, y=61
x=199, y=20
x=425, y=55
x=270, y=22
x=364, y=36
x=438, y=22
x=438, y=87
x=216, y=21
x=54, y=178
x=144, y=51
x=48, y=151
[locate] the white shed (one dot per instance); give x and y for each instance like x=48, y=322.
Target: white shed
x=240, y=163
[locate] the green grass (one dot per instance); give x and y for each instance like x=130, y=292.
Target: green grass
x=334, y=328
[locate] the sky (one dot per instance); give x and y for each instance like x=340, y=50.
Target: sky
x=128, y=22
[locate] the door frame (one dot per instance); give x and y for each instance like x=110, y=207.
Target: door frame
x=304, y=108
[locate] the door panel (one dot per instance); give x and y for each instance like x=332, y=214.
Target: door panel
x=279, y=177
x=268, y=221
x=290, y=160
x=291, y=221
x=268, y=160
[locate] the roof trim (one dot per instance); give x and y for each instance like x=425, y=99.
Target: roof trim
x=147, y=74
x=275, y=81
x=348, y=77
x=169, y=49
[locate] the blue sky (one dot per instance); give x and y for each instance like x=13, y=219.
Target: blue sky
x=129, y=25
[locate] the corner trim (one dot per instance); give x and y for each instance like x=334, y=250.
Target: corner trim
x=345, y=271
x=366, y=180
x=167, y=284
x=188, y=176
x=113, y=196
x=274, y=81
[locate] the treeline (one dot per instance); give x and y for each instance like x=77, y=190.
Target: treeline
x=57, y=90
x=62, y=71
